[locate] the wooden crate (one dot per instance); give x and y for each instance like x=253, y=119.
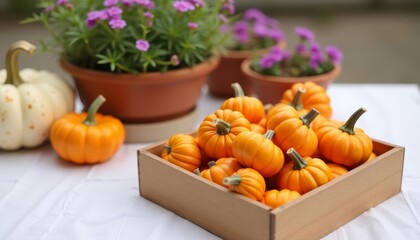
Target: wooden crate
x=232, y=216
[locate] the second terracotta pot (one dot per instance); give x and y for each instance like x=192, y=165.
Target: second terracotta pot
x=143, y=98
x=270, y=89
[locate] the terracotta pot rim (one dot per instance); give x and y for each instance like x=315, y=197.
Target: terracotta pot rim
x=152, y=77
x=245, y=66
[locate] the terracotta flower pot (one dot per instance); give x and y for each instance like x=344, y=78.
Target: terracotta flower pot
x=143, y=98
x=269, y=89
x=229, y=71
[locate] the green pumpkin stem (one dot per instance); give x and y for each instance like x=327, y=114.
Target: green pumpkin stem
x=167, y=148
x=348, y=127
x=296, y=102
x=93, y=109
x=211, y=164
x=232, y=180
x=309, y=117
x=12, y=63
x=239, y=92
x=222, y=126
x=298, y=161
x=269, y=134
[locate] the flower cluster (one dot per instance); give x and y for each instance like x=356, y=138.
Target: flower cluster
x=308, y=58
x=254, y=30
x=135, y=35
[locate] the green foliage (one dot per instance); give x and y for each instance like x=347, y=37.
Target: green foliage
x=104, y=48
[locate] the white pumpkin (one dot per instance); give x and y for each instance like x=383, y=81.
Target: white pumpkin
x=30, y=101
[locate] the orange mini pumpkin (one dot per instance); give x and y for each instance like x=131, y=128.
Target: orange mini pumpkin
x=218, y=170
x=292, y=130
x=343, y=143
x=87, y=137
x=337, y=169
x=259, y=152
x=275, y=198
x=248, y=182
x=217, y=131
x=315, y=97
x=183, y=151
x=303, y=174
x=251, y=107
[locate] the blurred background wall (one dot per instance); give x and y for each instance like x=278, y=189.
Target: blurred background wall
x=380, y=39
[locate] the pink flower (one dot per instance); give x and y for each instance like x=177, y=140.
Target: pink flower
x=182, y=6
x=192, y=25
x=117, y=23
x=175, y=60
x=142, y=45
x=109, y=3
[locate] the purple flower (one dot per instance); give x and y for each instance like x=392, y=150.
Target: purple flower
x=49, y=8
x=223, y=18
x=148, y=4
x=127, y=3
x=114, y=12
x=94, y=16
x=182, y=6
x=316, y=57
x=142, y=45
x=109, y=3
x=276, y=34
x=229, y=7
x=267, y=61
x=175, y=60
x=192, y=25
x=256, y=15
x=62, y=2
x=334, y=54
x=261, y=30
x=148, y=15
x=315, y=48
x=313, y=64
x=304, y=33
x=276, y=53
x=197, y=3
x=300, y=48
x=117, y=23
x=240, y=30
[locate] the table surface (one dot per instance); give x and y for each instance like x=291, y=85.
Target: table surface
x=44, y=197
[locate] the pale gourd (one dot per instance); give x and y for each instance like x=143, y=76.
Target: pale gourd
x=30, y=101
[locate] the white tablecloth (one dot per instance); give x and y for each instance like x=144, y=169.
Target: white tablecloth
x=43, y=197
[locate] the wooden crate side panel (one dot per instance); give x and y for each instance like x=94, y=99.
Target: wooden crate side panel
x=328, y=207
x=212, y=207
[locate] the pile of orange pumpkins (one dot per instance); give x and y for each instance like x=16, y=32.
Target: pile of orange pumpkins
x=273, y=154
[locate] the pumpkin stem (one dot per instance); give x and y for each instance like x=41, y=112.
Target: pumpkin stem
x=309, y=117
x=267, y=107
x=296, y=102
x=12, y=64
x=348, y=127
x=222, y=126
x=269, y=134
x=197, y=172
x=93, y=109
x=211, y=164
x=167, y=148
x=298, y=161
x=232, y=180
x=239, y=92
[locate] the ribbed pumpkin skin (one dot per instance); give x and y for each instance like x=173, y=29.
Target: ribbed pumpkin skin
x=217, y=145
x=251, y=107
x=275, y=198
x=224, y=167
x=314, y=97
x=315, y=174
x=76, y=142
x=184, y=152
x=343, y=148
x=291, y=132
x=251, y=183
x=337, y=169
x=255, y=151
